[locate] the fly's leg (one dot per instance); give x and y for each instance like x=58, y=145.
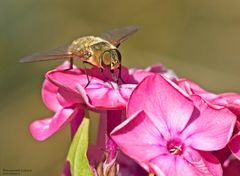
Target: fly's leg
x=71, y=63
x=85, y=69
x=120, y=75
x=114, y=76
x=101, y=69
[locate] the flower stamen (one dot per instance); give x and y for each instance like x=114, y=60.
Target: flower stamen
x=175, y=147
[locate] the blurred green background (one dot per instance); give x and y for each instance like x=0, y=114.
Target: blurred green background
x=200, y=40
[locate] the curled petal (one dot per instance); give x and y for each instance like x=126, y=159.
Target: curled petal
x=107, y=97
x=231, y=101
x=43, y=129
x=139, y=75
x=102, y=97
x=67, y=79
x=156, y=68
x=234, y=145
x=161, y=69
x=98, y=94
x=191, y=87
x=65, y=65
x=68, y=98
x=49, y=96
x=50, y=91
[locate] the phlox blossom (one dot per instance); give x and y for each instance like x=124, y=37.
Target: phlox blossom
x=169, y=133
x=65, y=93
x=229, y=100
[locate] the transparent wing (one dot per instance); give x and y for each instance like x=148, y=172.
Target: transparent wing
x=118, y=35
x=54, y=54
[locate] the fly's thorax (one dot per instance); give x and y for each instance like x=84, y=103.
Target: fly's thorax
x=86, y=43
x=96, y=51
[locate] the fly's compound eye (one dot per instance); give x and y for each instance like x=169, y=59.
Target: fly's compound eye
x=106, y=58
x=116, y=59
x=111, y=59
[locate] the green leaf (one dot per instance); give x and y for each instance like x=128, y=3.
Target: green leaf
x=77, y=157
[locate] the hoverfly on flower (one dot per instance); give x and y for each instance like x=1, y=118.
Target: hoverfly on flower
x=101, y=52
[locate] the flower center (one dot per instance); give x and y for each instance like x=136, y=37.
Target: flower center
x=175, y=147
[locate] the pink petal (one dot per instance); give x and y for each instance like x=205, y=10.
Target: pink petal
x=234, y=145
x=126, y=90
x=139, y=75
x=163, y=165
x=232, y=98
x=84, y=96
x=163, y=101
x=98, y=94
x=65, y=65
x=68, y=79
x=156, y=68
x=102, y=97
x=49, y=96
x=105, y=96
x=135, y=135
x=231, y=101
x=191, y=87
x=68, y=98
x=172, y=165
x=192, y=163
x=42, y=129
x=203, y=163
x=161, y=69
x=209, y=128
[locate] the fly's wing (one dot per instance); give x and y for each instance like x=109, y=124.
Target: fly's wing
x=118, y=35
x=54, y=54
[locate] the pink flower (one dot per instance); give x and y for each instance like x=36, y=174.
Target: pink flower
x=228, y=100
x=64, y=93
x=66, y=108
x=169, y=133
